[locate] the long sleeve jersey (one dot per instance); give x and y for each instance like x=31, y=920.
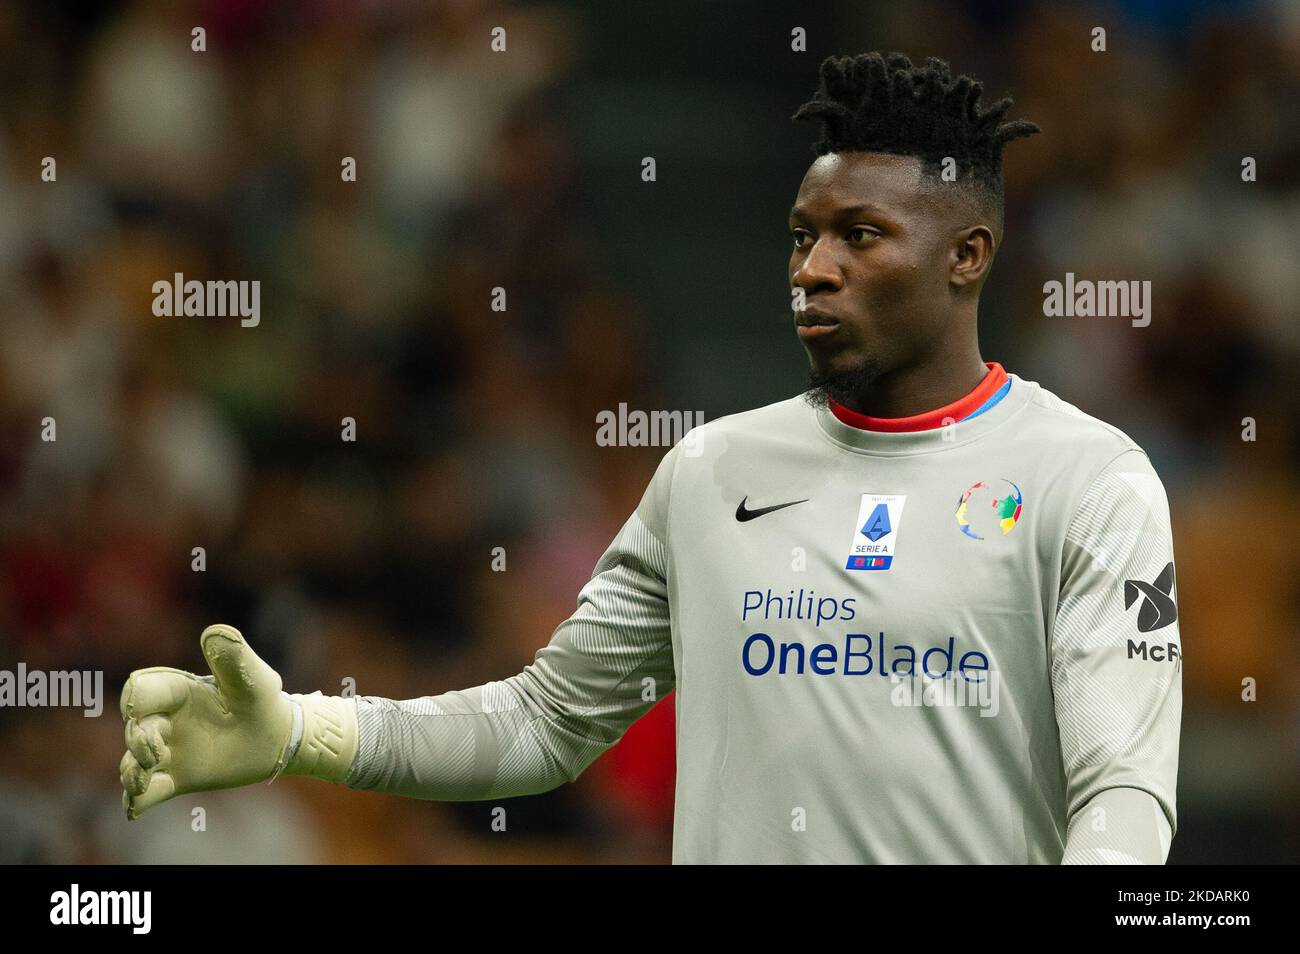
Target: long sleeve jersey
x=957, y=644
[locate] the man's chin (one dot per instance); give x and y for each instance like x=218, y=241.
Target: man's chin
x=841, y=385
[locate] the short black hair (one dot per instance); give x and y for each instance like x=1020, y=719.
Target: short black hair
x=882, y=103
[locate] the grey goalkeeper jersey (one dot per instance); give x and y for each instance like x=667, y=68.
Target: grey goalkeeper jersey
x=927, y=646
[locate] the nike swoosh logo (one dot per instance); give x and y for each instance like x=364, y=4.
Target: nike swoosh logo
x=742, y=514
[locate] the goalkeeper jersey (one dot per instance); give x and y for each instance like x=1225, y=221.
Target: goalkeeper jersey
x=890, y=642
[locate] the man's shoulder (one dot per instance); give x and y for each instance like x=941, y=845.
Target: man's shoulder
x=751, y=431
x=783, y=422
x=793, y=411
x=1054, y=422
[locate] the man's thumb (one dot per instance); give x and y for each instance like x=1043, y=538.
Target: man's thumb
x=242, y=676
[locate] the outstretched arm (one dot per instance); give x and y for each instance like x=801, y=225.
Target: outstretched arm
x=605, y=667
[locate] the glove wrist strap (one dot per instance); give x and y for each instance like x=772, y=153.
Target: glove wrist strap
x=295, y=738
x=328, y=743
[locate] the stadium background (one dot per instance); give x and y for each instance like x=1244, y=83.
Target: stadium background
x=371, y=560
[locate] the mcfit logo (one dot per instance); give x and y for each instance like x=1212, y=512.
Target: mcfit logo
x=1158, y=608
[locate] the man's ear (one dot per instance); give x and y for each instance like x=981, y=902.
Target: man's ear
x=971, y=256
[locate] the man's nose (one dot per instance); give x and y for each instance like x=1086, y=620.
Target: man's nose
x=819, y=268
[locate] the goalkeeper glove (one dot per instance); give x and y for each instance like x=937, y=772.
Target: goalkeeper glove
x=188, y=733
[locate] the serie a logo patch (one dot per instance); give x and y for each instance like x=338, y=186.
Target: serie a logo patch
x=875, y=533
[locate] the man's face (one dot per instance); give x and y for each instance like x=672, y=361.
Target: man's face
x=872, y=252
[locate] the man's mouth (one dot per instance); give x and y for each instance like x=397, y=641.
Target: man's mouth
x=814, y=323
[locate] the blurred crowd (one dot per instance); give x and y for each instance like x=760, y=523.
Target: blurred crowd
x=369, y=562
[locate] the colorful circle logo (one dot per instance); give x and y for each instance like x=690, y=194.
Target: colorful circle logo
x=972, y=517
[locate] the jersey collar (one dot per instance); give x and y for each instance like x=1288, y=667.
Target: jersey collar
x=987, y=393
x=1000, y=408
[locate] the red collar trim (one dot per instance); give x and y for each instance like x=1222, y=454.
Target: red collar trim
x=958, y=409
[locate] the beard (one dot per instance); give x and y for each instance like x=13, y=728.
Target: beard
x=841, y=386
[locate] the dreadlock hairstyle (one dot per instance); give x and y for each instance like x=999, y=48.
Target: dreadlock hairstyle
x=875, y=103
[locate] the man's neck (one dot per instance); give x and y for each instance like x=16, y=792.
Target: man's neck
x=920, y=388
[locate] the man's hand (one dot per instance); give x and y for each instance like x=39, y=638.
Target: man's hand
x=188, y=733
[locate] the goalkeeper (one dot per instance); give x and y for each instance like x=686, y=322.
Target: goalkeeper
x=918, y=518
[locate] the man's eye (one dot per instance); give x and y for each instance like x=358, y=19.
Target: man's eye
x=864, y=234
x=797, y=236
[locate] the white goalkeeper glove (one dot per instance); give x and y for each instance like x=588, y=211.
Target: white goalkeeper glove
x=188, y=733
